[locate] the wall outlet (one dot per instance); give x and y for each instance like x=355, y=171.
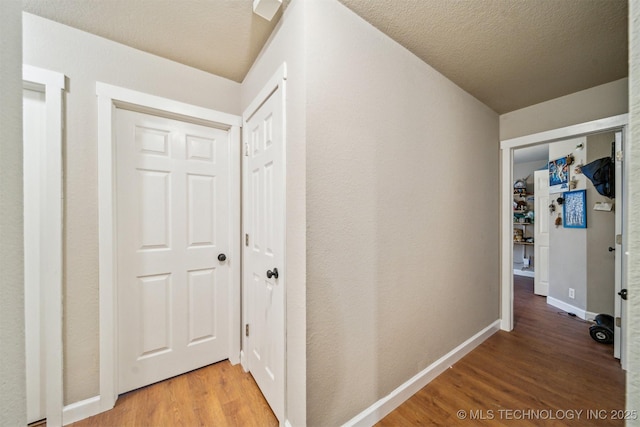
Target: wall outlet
x=572, y=293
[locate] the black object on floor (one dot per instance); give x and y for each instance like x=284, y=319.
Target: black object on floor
x=602, y=331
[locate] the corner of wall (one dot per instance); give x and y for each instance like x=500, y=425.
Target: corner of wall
x=633, y=269
x=12, y=368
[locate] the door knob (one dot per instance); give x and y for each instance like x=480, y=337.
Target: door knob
x=273, y=273
x=623, y=294
x=222, y=257
x=611, y=249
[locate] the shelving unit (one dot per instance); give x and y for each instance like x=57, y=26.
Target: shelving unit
x=522, y=231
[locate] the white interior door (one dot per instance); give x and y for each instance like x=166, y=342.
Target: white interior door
x=172, y=198
x=620, y=297
x=264, y=280
x=541, y=233
x=34, y=135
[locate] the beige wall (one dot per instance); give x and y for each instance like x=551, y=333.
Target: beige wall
x=633, y=371
x=13, y=407
x=402, y=215
x=568, y=246
x=288, y=45
x=85, y=59
x=606, y=100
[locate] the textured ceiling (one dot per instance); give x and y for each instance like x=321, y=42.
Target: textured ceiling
x=507, y=53
x=510, y=53
x=222, y=37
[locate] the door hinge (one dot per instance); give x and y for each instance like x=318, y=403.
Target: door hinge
x=246, y=330
x=619, y=156
x=618, y=322
x=246, y=239
x=246, y=149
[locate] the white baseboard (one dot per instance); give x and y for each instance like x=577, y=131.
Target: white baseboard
x=590, y=315
x=567, y=307
x=525, y=273
x=384, y=406
x=81, y=410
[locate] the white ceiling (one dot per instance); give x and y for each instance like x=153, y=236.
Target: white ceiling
x=507, y=53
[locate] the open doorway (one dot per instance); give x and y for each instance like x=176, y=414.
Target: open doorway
x=584, y=262
x=573, y=268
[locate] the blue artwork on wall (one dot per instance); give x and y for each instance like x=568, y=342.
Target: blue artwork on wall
x=558, y=175
x=575, y=213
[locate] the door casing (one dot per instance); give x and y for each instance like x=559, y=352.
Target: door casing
x=50, y=216
x=614, y=123
x=110, y=97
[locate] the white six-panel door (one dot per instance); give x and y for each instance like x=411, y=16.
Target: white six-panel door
x=172, y=186
x=264, y=249
x=541, y=233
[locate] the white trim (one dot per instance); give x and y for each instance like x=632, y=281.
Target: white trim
x=506, y=163
x=272, y=84
x=384, y=406
x=523, y=273
x=590, y=316
x=235, y=245
x=567, y=307
x=121, y=95
x=81, y=410
x=600, y=125
x=506, y=215
x=108, y=98
x=51, y=235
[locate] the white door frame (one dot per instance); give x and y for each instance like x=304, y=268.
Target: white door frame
x=110, y=97
x=277, y=81
x=506, y=209
x=51, y=215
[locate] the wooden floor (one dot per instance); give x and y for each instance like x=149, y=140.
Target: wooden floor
x=218, y=395
x=546, y=369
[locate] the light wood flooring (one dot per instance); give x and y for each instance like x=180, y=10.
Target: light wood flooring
x=548, y=362
x=217, y=395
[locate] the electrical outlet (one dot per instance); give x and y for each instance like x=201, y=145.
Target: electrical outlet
x=572, y=293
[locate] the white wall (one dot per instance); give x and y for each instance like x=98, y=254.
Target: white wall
x=402, y=215
x=287, y=44
x=568, y=246
x=633, y=372
x=606, y=100
x=13, y=405
x=85, y=59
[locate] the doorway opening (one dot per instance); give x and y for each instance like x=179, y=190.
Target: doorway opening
x=573, y=140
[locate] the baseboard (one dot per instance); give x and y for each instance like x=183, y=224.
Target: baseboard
x=567, y=307
x=384, y=406
x=590, y=316
x=81, y=410
x=525, y=273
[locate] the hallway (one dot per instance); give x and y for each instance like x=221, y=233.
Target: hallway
x=544, y=372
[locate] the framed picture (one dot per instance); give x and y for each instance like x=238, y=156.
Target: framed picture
x=558, y=175
x=575, y=213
